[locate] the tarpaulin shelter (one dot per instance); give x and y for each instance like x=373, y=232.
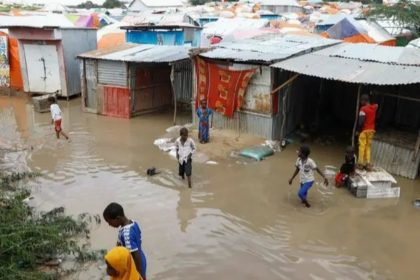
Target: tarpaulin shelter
x=353, y=31
x=414, y=44
x=91, y=20
x=111, y=36
x=224, y=27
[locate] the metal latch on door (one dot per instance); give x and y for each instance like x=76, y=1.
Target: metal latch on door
x=45, y=69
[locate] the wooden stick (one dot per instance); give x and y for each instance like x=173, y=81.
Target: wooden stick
x=284, y=84
x=417, y=147
x=173, y=92
x=357, y=116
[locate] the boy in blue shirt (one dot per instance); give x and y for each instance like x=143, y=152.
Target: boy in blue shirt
x=129, y=234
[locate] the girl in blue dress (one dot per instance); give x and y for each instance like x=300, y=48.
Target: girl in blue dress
x=204, y=114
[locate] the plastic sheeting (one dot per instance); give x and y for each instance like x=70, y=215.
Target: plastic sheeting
x=16, y=82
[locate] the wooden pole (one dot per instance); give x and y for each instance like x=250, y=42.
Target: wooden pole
x=173, y=92
x=284, y=108
x=417, y=147
x=284, y=84
x=359, y=91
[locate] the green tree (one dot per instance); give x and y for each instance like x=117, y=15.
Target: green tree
x=405, y=13
x=109, y=4
x=87, y=5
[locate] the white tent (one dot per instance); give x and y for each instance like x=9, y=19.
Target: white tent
x=414, y=43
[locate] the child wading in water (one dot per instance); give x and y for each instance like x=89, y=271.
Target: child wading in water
x=56, y=117
x=185, y=147
x=129, y=236
x=204, y=115
x=305, y=166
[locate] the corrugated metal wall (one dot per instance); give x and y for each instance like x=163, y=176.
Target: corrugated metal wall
x=150, y=87
x=245, y=122
x=395, y=159
x=170, y=38
x=258, y=97
x=183, y=81
x=76, y=41
x=112, y=73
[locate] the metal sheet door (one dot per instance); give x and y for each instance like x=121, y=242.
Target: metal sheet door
x=91, y=84
x=42, y=68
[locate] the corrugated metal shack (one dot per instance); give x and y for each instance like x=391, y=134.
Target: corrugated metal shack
x=48, y=56
x=259, y=110
x=171, y=35
x=324, y=97
x=134, y=79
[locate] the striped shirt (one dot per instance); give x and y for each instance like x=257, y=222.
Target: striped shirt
x=129, y=236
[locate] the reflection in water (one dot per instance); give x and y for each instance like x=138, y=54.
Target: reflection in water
x=239, y=221
x=186, y=211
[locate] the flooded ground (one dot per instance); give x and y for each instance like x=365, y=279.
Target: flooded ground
x=241, y=220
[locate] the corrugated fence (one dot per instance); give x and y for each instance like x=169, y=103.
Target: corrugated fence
x=112, y=73
x=246, y=122
x=183, y=81
x=397, y=160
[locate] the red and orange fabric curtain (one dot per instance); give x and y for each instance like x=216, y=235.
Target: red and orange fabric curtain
x=224, y=89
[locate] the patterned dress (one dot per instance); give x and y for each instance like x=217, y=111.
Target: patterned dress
x=203, y=124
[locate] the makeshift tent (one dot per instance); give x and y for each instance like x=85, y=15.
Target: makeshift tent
x=55, y=8
x=224, y=27
x=111, y=36
x=353, y=31
x=91, y=20
x=414, y=44
x=249, y=33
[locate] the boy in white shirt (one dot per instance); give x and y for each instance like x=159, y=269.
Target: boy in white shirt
x=56, y=117
x=185, y=147
x=305, y=166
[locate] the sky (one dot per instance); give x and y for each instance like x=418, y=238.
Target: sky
x=65, y=2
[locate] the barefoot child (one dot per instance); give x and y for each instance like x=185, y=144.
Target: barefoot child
x=305, y=166
x=120, y=265
x=56, y=117
x=129, y=235
x=204, y=114
x=185, y=147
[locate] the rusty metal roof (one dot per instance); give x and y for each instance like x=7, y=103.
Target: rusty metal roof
x=268, y=48
x=359, y=63
x=140, y=53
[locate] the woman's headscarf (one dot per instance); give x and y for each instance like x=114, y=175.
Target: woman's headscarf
x=120, y=259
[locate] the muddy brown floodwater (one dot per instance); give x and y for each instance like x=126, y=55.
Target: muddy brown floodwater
x=241, y=220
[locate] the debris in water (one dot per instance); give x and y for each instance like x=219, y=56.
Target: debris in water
x=152, y=171
x=273, y=144
x=177, y=128
x=211, y=162
x=257, y=153
x=416, y=203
